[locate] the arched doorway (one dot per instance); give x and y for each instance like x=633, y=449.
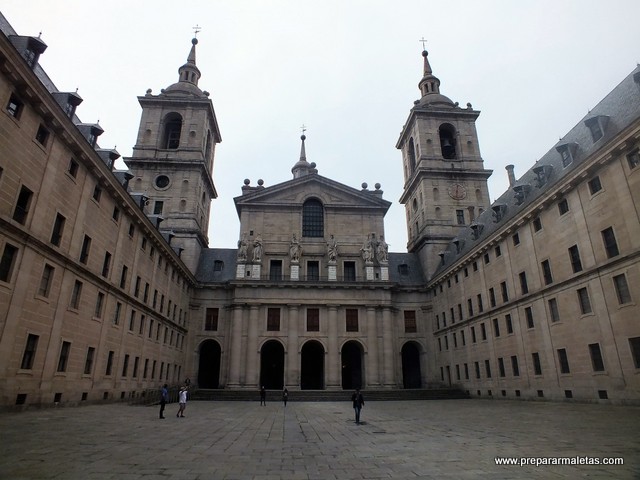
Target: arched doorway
x=209, y=365
x=411, y=375
x=351, y=356
x=312, y=372
x=272, y=365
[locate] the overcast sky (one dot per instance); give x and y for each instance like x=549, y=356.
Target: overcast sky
x=348, y=70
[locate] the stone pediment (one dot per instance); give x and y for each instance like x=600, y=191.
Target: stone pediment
x=295, y=192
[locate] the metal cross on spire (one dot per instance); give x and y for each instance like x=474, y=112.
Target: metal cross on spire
x=196, y=30
x=303, y=128
x=424, y=43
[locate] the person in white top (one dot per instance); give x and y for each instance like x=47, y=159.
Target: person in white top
x=182, y=400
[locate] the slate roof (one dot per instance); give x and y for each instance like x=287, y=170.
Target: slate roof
x=621, y=106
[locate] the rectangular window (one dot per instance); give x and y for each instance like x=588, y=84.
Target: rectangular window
x=97, y=313
x=350, y=271
x=145, y=368
x=136, y=363
x=150, y=328
x=136, y=289
x=501, y=371
x=313, y=271
x=596, y=357
x=610, y=244
x=583, y=299
x=574, y=257
x=528, y=313
x=58, y=228
x=462, y=337
x=313, y=319
x=554, y=313
x=153, y=369
x=546, y=272
x=75, y=295
x=29, y=352
x=410, y=321
x=537, y=367
x=275, y=270
x=455, y=340
x=72, y=168
x=474, y=265
x=563, y=206
x=483, y=331
x=14, y=107
x=42, y=135
x=116, y=314
x=273, y=319
x=622, y=289
x=352, y=319
x=64, y=357
x=537, y=224
x=86, y=247
x=477, y=368
x=509, y=323
x=480, y=305
x=594, y=185
x=132, y=321
x=514, y=366
x=563, y=360
x=23, y=205
x=132, y=231
x=106, y=265
x=125, y=365
x=473, y=334
x=211, y=319
x=516, y=239
x=97, y=193
x=45, y=281
x=492, y=297
x=141, y=329
x=88, y=361
x=633, y=159
x=145, y=296
x=634, y=345
x=158, y=206
x=523, y=283
x=470, y=307
x=496, y=327
x=460, y=217
x=466, y=371
x=504, y=291
x=123, y=276
x=486, y=258
x=460, y=311
x=498, y=251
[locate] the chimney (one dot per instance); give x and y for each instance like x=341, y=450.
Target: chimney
x=511, y=175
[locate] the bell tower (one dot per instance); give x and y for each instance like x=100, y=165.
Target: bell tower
x=445, y=183
x=172, y=161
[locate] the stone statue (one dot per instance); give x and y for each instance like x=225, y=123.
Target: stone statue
x=332, y=249
x=257, y=249
x=242, y=248
x=382, y=251
x=295, y=250
x=367, y=250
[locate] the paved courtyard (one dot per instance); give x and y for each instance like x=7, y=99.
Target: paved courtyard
x=450, y=439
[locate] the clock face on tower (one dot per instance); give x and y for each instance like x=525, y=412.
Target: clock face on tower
x=457, y=191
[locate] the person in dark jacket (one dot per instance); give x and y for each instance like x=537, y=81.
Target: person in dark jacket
x=164, y=398
x=358, y=403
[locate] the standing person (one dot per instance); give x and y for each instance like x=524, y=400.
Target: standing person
x=182, y=401
x=285, y=396
x=263, y=396
x=358, y=403
x=164, y=398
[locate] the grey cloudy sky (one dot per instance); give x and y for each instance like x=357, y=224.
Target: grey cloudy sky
x=347, y=69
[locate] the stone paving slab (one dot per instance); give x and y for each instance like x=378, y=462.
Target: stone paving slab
x=440, y=439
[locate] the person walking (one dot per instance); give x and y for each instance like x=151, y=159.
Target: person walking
x=164, y=398
x=263, y=396
x=285, y=396
x=358, y=403
x=182, y=401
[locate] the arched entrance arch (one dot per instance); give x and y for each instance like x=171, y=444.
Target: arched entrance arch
x=272, y=365
x=312, y=363
x=351, y=355
x=411, y=373
x=209, y=364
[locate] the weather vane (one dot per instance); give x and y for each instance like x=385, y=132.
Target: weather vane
x=303, y=128
x=424, y=43
x=196, y=29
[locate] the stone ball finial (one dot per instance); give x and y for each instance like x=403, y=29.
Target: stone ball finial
x=260, y=182
x=149, y=91
x=425, y=53
x=312, y=164
x=247, y=181
x=378, y=186
x=364, y=185
x=194, y=41
x=303, y=137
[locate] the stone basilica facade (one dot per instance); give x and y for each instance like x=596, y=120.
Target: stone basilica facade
x=108, y=287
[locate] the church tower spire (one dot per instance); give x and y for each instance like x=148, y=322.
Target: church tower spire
x=302, y=167
x=172, y=160
x=445, y=181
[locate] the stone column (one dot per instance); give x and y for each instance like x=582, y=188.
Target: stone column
x=373, y=372
x=333, y=355
x=292, y=372
x=252, y=363
x=387, y=348
x=236, y=347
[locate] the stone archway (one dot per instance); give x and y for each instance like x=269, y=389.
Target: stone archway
x=312, y=366
x=352, y=375
x=411, y=373
x=272, y=365
x=209, y=364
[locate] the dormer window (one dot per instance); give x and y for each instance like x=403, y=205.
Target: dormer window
x=567, y=152
x=542, y=174
x=498, y=211
x=633, y=159
x=14, y=107
x=68, y=101
x=596, y=126
x=521, y=192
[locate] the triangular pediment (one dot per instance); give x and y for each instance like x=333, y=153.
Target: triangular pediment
x=295, y=192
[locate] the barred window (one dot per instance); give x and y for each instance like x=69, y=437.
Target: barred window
x=351, y=320
x=273, y=319
x=313, y=319
x=312, y=219
x=211, y=319
x=410, y=321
